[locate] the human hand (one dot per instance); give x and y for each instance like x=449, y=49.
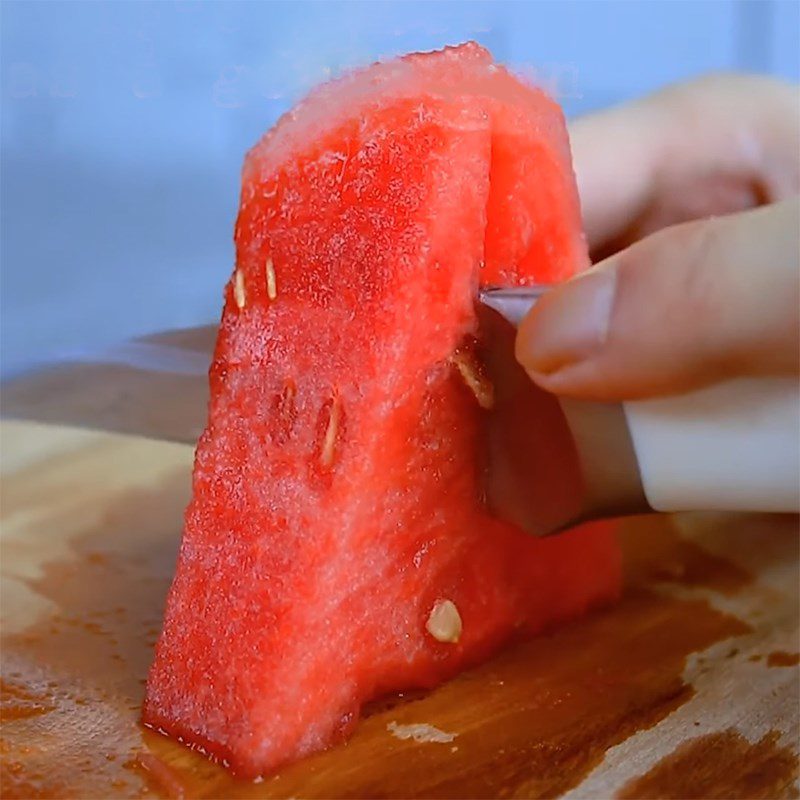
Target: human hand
x=696, y=302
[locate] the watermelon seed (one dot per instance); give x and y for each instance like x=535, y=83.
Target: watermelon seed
x=472, y=373
x=238, y=289
x=285, y=410
x=444, y=622
x=272, y=288
x=287, y=398
x=331, y=432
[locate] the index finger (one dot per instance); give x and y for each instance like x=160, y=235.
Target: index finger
x=717, y=145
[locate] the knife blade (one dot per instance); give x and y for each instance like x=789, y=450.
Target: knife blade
x=156, y=387
x=540, y=472
x=512, y=303
x=550, y=462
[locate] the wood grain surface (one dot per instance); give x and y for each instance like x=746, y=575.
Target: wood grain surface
x=687, y=688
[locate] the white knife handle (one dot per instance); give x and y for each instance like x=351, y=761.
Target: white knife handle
x=734, y=446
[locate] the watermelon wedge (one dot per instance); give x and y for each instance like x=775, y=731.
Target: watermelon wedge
x=337, y=547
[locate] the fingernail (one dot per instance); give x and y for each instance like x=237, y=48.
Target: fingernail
x=568, y=325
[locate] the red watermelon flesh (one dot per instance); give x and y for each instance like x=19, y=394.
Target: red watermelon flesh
x=336, y=546
x=533, y=231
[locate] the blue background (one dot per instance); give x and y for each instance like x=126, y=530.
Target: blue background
x=124, y=125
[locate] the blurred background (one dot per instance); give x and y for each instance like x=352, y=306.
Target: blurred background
x=124, y=125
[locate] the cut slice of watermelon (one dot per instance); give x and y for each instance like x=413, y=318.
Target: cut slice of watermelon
x=336, y=546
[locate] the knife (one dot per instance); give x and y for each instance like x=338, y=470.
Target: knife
x=555, y=462
x=551, y=462
x=155, y=386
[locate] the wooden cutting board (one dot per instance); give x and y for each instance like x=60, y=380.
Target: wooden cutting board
x=687, y=688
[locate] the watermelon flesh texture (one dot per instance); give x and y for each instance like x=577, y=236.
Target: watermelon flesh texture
x=337, y=488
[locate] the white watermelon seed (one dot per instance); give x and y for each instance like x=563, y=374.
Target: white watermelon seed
x=331, y=432
x=238, y=289
x=272, y=287
x=444, y=622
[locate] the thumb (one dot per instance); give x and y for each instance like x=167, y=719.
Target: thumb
x=685, y=307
